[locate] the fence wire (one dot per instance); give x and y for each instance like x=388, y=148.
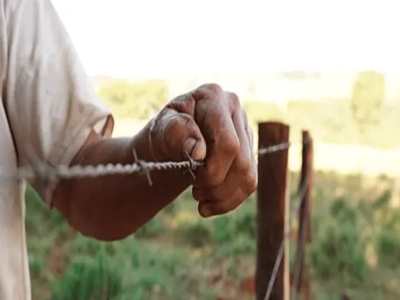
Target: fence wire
x=42, y=170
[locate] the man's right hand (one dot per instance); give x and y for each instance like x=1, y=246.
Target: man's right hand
x=210, y=125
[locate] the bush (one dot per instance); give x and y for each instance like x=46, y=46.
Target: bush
x=388, y=248
x=92, y=278
x=338, y=250
x=196, y=234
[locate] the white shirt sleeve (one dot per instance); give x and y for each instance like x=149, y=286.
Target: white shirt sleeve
x=49, y=99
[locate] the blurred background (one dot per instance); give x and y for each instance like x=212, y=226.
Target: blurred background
x=331, y=67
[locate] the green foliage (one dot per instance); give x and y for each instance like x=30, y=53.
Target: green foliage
x=135, y=270
x=388, y=248
x=153, y=229
x=138, y=100
x=387, y=241
x=233, y=234
x=367, y=98
x=178, y=254
x=340, y=248
x=90, y=278
x=197, y=234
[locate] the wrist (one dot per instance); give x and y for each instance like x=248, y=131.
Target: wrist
x=141, y=143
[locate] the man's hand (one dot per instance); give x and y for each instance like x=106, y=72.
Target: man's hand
x=210, y=125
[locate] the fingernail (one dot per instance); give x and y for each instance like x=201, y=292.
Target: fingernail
x=189, y=144
x=205, y=211
x=199, y=194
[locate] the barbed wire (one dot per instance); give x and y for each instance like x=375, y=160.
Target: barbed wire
x=45, y=171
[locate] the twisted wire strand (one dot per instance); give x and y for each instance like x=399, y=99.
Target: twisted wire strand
x=46, y=171
x=274, y=148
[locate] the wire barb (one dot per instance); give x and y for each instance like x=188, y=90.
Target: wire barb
x=192, y=165
x=143, y=167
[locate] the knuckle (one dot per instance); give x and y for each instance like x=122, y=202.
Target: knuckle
x=218, y=198
x=229, y=144
x=178, y=122
x=172, y=128
x=226, y=207
x=244, y=117
x=244, y=166
x=251, y=183
x=214, y=90
x=153, y=133
x=215, y=177
x=234, y=100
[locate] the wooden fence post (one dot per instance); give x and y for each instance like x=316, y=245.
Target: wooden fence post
x=301, y=282
x=272, y=212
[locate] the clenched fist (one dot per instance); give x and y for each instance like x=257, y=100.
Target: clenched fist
x=210, y=125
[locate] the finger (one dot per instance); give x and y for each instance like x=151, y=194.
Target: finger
x=253, y=170
x=250, y=137
x=249, y=132
x=243, y=161
x=237, y=174
x=221, y=139
x=246, y=183
x=207, y=208
x=174, y=133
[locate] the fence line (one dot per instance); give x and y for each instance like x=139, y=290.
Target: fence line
x=304, y=231
x=272, y=198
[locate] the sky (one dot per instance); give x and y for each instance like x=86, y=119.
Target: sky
x=152, y=38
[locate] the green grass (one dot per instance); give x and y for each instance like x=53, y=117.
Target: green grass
x=178, y=255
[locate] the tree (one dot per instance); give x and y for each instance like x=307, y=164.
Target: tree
x=367, y=99
x=138, y=100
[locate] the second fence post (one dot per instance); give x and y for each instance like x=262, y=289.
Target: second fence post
x=272, y=213
x=301, y=282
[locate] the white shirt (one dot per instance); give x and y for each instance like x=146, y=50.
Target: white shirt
x=48, y=102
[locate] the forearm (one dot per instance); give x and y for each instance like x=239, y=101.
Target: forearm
x=113, y=207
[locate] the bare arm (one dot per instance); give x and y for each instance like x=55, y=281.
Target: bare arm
x=113, y=207
x=206, y=120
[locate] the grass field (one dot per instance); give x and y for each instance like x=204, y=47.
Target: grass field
x=178, y=255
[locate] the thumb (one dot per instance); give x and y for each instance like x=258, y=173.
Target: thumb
x=173, y=133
